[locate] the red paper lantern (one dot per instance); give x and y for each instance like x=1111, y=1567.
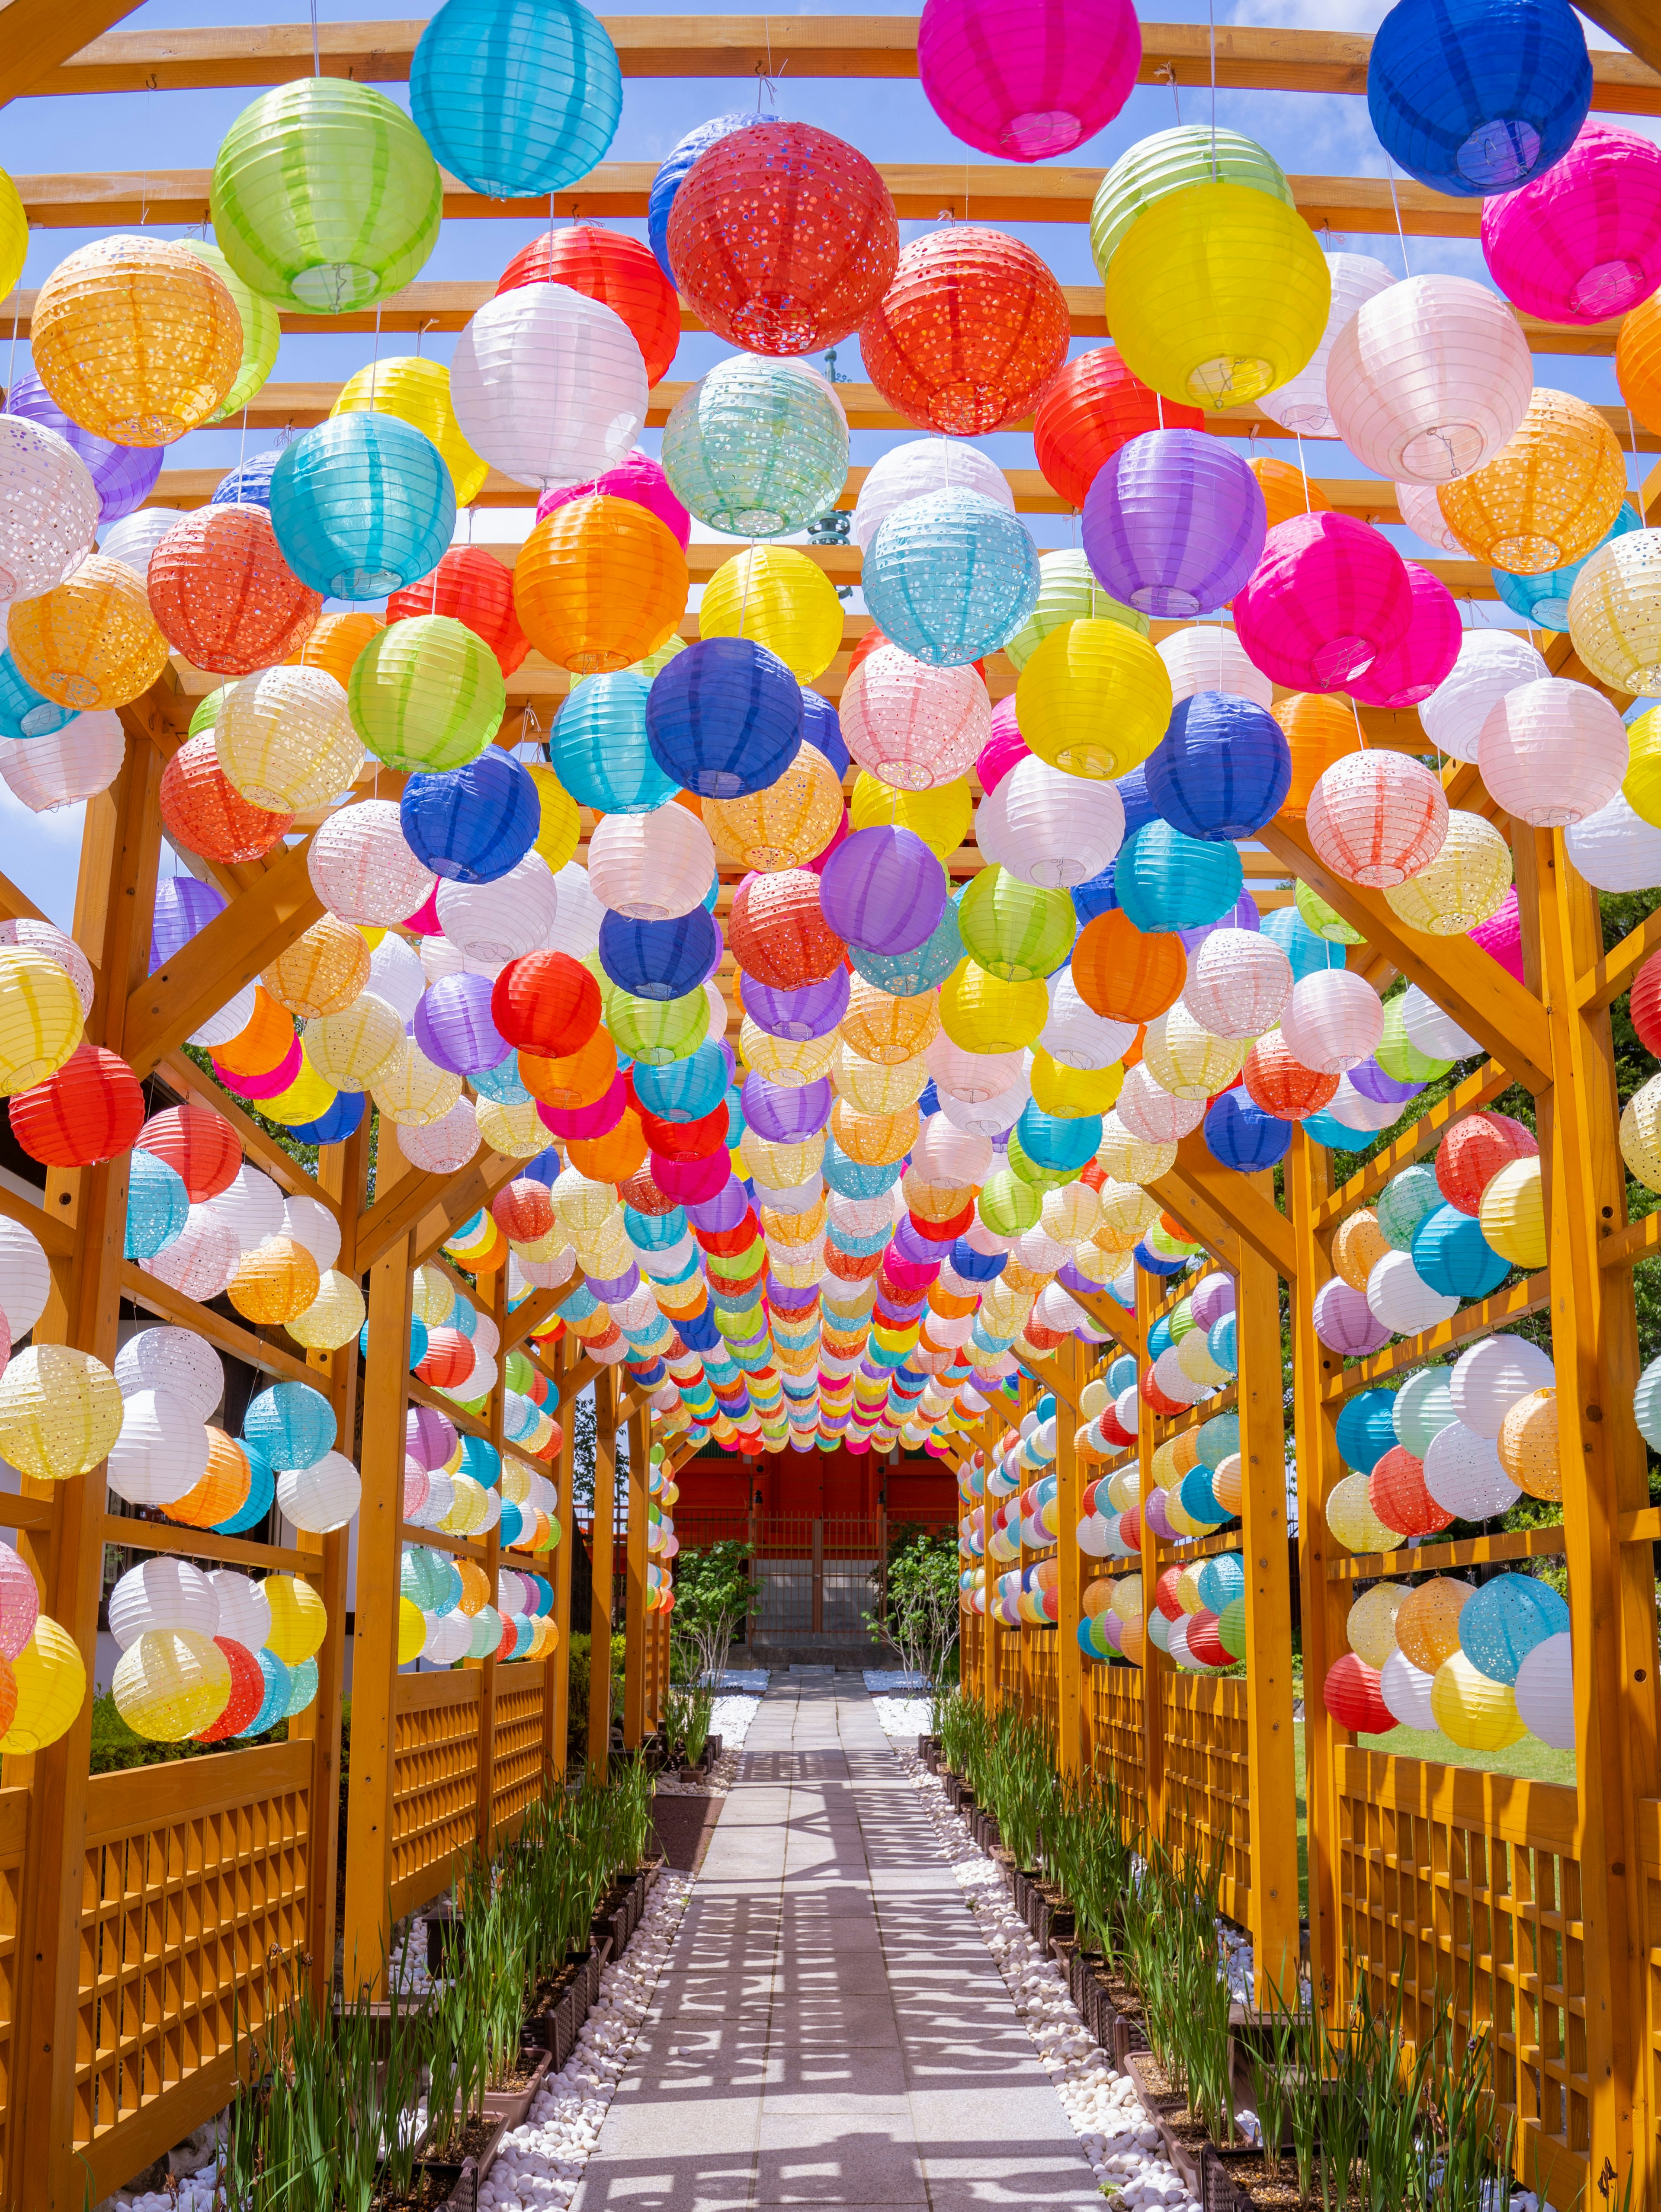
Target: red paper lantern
x=1473, y=1153
x=199, y=1146
x=640, y=1191
x=1644, y=1005
x=523, y=1211
x=1352, y=1695
x=1094, y=406
x=248, y=1693
x=944, y=1232
x=203, y=811
x=1281, y=1084
x=1130, y=1527
x=850, y=1267
x=472, y=587
x=1152, y=1395
x=1204, y=1643
x=783, y=238
x=969, y=333
x=688, y=1141
x=1113, y=1429
x=89, y=1111
x=620, y=272
x=221, y=592
x=1045, y=1340
x=448, y=1360
x=778, y=935
x=1395, y=1489
x=1164, y=1594
x=546, y=1004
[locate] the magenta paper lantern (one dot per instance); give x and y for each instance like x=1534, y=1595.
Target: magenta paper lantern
x=1328, y=596
x=597, y=1118
x=1583, y=241
x=454, y=1028
x=639, y=478
x=267, y=1084
x=883, y=890
x=1174, y=523
x=1501, y=935
x=1411, y=669
x=1023, y=80
x=1006, y=748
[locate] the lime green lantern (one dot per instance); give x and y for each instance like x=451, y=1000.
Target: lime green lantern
x=1068, y=591
x=1017, y=930
x=1325, y=921
x=206, y=711
x=262, y=333
x=1007, y=1205
x=657, y=1031
x=325, y=196
x=427, y=694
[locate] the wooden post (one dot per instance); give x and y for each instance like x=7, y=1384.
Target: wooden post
x=600, y=1610
x=1070, y=1659
x=1155, y=1664
x=816, y=1603
x=490, y=1665
x=634, y=1618
x=565, y=1512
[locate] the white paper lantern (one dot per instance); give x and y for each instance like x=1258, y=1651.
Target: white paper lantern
x=1615, y=613
x=176, y=1360
x=1552, y=753
x=548, y=386
x=449, y=1636
x=1463, y=1474
x=1429, y=379
x=1376, y=817
x=1544, y=1690
x=161, y=1452
x=25, y=1278
x=65, y=766
x=252, y=1204
x=987, y=1117
x=913, y=725
x=395, y=974
x=577, y=927
x=944, y=1154
x=1078, y=1036
x=52, y=944
x=443, y=1146
x=1050, y=828
x=1487, y=1379
x=201, y=1260
x=1401, y=1300
x=133, y=539
x=1171, y=1376
x=244, y=1611
x=1421, y=511
x=164, y=1592
x=230, y=1021
x=1239, y=983
x=1300, y=404
x=654, y=866
x=1614, y=849
x=1149, y=1112
x=917, y=468
x=1208, y=657
x=1492, y=664
x=502, y=920
x=310, y=1223
x=363, y=869
x=1429, y=1030
x=48, y=509
x=1405, y=1689
x=1333, y=1020
x=440, y=958
x=1354, y=1111
x=319, y=1499
x=286, y=740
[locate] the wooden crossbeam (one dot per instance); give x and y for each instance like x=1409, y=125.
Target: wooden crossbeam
x=1238, y=1200
x=38, y=37
x=1248, y=58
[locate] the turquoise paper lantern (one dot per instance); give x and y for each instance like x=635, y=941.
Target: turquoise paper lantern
x=1166, y=881
x=1308, y=953
x=1503, y=1622
x=25, y=712
x=949, y=576
x=1199, y=1499
x=757, y=447
x=291, y=1425
x=1454, y=1258
x=262, y=1493
x=1219, y=1438
x=1544, y=601
x=157, y=1205
x=1222, y=1580
x=1367, y=1429
x=302, y=1687
x=518, y=97
x=279, y=1688
x=362, y=506
x=599, y=749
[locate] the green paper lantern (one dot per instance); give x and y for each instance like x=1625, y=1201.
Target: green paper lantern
x=1068, y=591
x=1406, y=1202
x=1008, y=1206
x=1017, y=930
x=1182, y=1318
x=427, y=694
x=1231, y=1627
x=325, y=196
x=262, y=333
x=657, y=1031
x=1325, y=921
x=1403, y=1062
x=757, y=447
x=207, y=711
x=1171, y=162
x=1422, y=1409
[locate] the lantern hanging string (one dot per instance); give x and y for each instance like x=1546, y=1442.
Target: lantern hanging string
x=1632, y=432
x=1212, y=35
x=317, y=58
x=1394, y=201
x=1302, y=471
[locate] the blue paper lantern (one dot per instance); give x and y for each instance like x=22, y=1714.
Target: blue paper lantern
x=518, y=97
x=302, y=1687
x=724, y=718
x=274, y=1705
x=183, y=905
x=157, y=1205
x=1325, y=1128
x=1222, y=768
x=1544, y=601
x=25, y=712
x=1061, y=1144
x=821, y=727
x=1159, y=1337
x=1151, y=1263
x=362, y=505
x=333, y=1127
x=1365, y=1429
x=909, y=974
x=852, y=1178
x=262, y=1491
x=1473, y=97
x=977, y=1267
x=1307, y=952
x=290, y=1424
x=949, y=576
x=1173, y=523
x=500, y=1085
x=1503, y=1622
x=249, y=484
x=672, y=175
x=1452, y=1254
x=1219, y=1438
x=685, y=1090
x=545, y=1169
x=1166, y=881
x=660, y=959
x=1121, y=1374
x=473, y=824
x=481, y=1460
x=1222, y=1580
x=1241, y=1135
x=417, y=1342
x=599, y=749
x=1223, y=1343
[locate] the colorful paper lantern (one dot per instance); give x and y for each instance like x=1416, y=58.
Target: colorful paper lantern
x=1376, y=817
x=223, y=594
x=476, y=822
x=757, y=447
x=1553, y=752
x=137, y=339
x=1001, y=86
x=1410, y=670
x=914, y=725
x=417, y=391
x=91, y=642
x=1095, y=699
x=600, y=584
x=620, y=273
x=1549, y=496
x=1615, y=613
x=1429, y=379
x=1173, y=523
x=49, y=508
x=1328, y=596
x=427, y=694
x=1478, y=96
x=777, y=596
x=1300, y=404
x=949, y=576
x=968, y=333
x=361, y=504
x=518, y=101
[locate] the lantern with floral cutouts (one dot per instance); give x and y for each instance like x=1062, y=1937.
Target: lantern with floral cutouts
x=90, y=641
x=49, y=508
x=1549, y=496
x=136, y=339
x=285, y=739
x=223, y=594
x=1614, y=612
x=1376, y=817
x=1553, y=752
x=968, y=333
x=1463, y=886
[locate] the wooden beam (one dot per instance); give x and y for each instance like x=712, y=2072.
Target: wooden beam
x=1437, y=1559
x=1239, y=1199
x=38, y=38
x=600, y=1606
x=1633, y=22
x=157, y=1296
x=180, y=1542
x=1615, y=970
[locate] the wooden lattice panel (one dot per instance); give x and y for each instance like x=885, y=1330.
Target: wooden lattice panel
x=1206, y=1779
x=192, y=1927
x=1464, y=1888
x=1007, y=1646
x=435, y=1781
x=1046, y=1679
x=14, y=1824
x=516, y=1761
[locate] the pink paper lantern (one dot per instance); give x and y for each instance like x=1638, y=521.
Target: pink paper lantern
x=639, y=478
x=1412, y=669
x=1328, y=596
x=1583, y=241
x=1346, y=1323
x=1024, y=81
x=1006, y=748
x=1501, y=935
x=1377, y=818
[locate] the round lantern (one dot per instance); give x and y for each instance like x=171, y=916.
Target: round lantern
x=1353, y=1695
x=1343, y=1319
x=137, y=339
x=1492, y=664
x=1169, y=161
x=1422, y=512
x=1376, y=817
x=519, y=100
x=600, y=584
x=49, y=508
x=1553, y=752
x=42, y=1023
x=1473, y=1153
x=299, y=1622
x=1208, y=657
x=224, y=595
x=779, y=932
x=1463, y=1473
x=968, y=333
x=1478, y=96
x=1549, y=497
x=545, y=1004
x=775, y=595
x=333, y=1318
x=982, y=1013
x=1022, y=98
x=66, y=765
x=1124, y=973
x=1238, y=982
x=1332, y=1021
x=1544, y=1691
x=49, y=1685
x=724, y=718
x=757, y=448
x=362, y=868
x=60, y=1412
x=123, y=477
x=1276, y=1080
x=1015, y=930
x=260, y=330
x=470, y=586
x=1614, y=849
x=89, y=642
x=1300, y=404
x=1615, y=613
x=1067, y=593
x=1429, y=379
x=475, y=823
x=1453, y=1256
x=914, y=725
x=1471, y=1710
x=417, y=391
x=285, y=740
x=1173, y=523
x=1095, y=699
x=1221, y=769
x=950, y=576
x=883, y=890
x=1463, y=885
x=1217, y=294
x=1242, y=1135
x=427, y=694
x=548, y=386
x=914, y=469
x=501, y=920
x=89, y=1111
x=1166, y=881
x=1410, y=670
x=161, y=1593
x=788, y=823
x=325, y=196
x=618, y=271
x=1050, y=828
x=171, y=1684
x=319, y=1499
x=652, y=867
x=361, y=504
x=1512, y=1215
x=1328, y=596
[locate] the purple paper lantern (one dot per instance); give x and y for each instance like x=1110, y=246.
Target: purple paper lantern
x=883, y=890
x=453, y=1026
x=639, y=478
x=1369, y=1079
x=182, y=906
x=1501, y=935
x=720, y=1215
x=1212, y=1299
x=1153, y=1507
x=430, y=1437
x=812, y=1012
x=123, y=476
x=1345, y=1322
x=783, y=1116
x=1022, y=82
x=1174, y=523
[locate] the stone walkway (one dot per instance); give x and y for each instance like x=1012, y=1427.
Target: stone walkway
x=831, y=2029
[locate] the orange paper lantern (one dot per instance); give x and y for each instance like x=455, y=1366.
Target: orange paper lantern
x=223, y=1491
x=90, y=641
x=1287, y=491
x=1319, y=730
x=276, y=1282
x=612, y=1157
x=223, y=594
x=579, y=1079
x=335, y=644
x=263, y=1043
x=1125, y=974
x=203, y=812
x=969, y=333
x=600, y=584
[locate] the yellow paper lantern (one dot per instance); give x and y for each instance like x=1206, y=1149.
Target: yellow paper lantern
x=1182, y=1520
x=51, y=1688
x=1127, y=1212
x=14, y=235
x=353, y=1050
x=1641, y=1133
x=1615, y=613
x=299, y=1621
x=1070, y=1093
x=91, y=642
x=886, y=1029
x=1371, y=1627
x=322, y=971
x=1513, y=1214
x=1471, y=1710
x=41, y=1020
x=1095, y=699
x=1548, y=495
x=873, y=1086
x=475, y=1588
x=1131, y=1159
x=775, y=595
x=1193, y=1358
x=1463, y=885
x=308, y=1098
x=286, y=740
x=1216, y=294
x=1428, y=1622
x=792, y=1061
x=1173, y=1459
x=561, y=824
x=874, y=1140
x=1528, y=1443
x=786, y=825
x=137, y=339
x=171, y=1683
x=411, y=1631
x=517, y=1132
x=275, y=1283
x=469, y=1508
x=941, y=816
x=60, y=1412
x=1187, y=1059
x=432, y=1297
x=985, y=1013
x=1350, y=1516
x=334, y=1316
x=414, y=1091
x=417, y=392
x=781, y=1167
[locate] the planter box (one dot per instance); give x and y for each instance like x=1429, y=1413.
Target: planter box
x=928, y=1750
x=511, y=2106
x=455, y=2183
x=1219, y=2189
